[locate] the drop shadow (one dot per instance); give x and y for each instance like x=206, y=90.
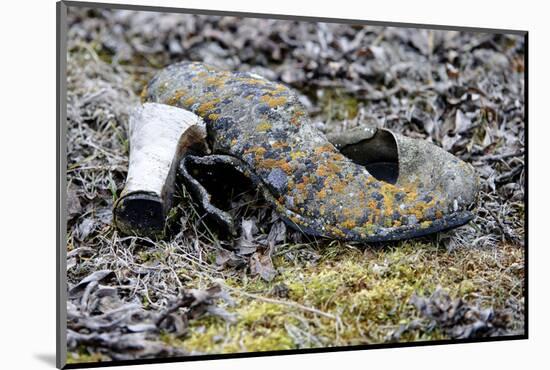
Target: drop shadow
x=46, y=358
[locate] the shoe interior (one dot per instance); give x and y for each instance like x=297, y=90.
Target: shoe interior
x=222, y=182
x=378, y=154
x=140, y=213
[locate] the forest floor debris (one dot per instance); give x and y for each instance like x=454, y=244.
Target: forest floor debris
x=271, y=288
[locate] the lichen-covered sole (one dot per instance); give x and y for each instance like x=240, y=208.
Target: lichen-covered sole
x=222, y=218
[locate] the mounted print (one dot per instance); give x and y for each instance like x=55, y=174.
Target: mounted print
x=237, y=184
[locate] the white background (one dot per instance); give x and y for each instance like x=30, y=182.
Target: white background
x=27, y=181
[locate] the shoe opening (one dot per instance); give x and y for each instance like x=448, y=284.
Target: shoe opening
x=140, y=213
x=224, y=183
x=379, y=155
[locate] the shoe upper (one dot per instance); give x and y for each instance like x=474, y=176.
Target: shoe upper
x=429, y=167
x=311, y=184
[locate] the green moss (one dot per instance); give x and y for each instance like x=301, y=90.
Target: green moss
x=338, y=105
x=367, y=289
x=261, y=327
x=104, y=54
x=83, y=356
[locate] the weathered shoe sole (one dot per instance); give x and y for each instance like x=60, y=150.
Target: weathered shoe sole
x=213, y=163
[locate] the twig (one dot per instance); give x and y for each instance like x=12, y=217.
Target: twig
x=501, y=225
x=510, y=175
x=502, y=156
x=185, y=301
x=286, y=303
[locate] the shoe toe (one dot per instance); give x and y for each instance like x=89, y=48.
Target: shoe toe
x=433, y=169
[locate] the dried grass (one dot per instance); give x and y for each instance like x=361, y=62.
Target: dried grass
x=463, y=91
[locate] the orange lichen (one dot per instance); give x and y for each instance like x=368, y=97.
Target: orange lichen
x=279, y=88
x=215, y=81
x=370, y=180
x=297, y=154
x=372, y=204
x=411, y=189
x=333, y=167
x=272, y=163
x=287, y=168
x=263, y=127
x=324, y=148
x=189, y=101
x=349, y=224
x=411, y=196
x=258, y=151
x=273, y=101
x=420, y=208
x=425, y=224
x=347, y=213
x=389, y=193
x=207, y=107
x=295, y=119
x=301, y=186
x=339, y=187
x=349, y=177
x=251, y=80
x=322, y=171
x=273, y=90
x=279, y=145
x=174, y=99
x=143, y=95
x=336, y=231
x=370, y=220
x=357, y=212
